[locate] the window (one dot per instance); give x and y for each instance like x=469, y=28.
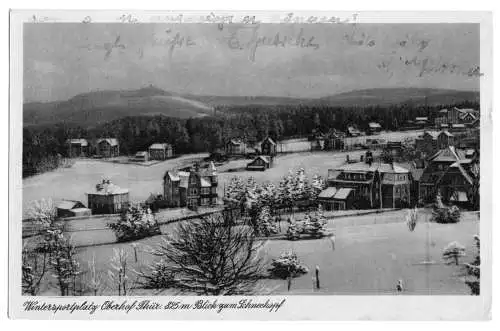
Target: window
x=205, y=201
x=398, y=190
x=214, y=201
x=205, y=190
x=192, y=203
x=193, y=191
x=192, y=180
x=214, y=190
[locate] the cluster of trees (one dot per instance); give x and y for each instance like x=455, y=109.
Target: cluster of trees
x=135, y=222
x=53, y=255
x=260, y=202
x=43, y=146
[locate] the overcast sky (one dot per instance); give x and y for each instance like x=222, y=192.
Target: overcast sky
x=65, y=59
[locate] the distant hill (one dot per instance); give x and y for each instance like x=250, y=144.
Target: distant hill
x=102, y=106
x=394, y=96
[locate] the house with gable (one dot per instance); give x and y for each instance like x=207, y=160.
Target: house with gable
x=438, y=176
x=372, y=184
x=268, y=147
x=108, y=147
x=192, y=187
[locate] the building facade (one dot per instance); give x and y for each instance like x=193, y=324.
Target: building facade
x=268, y=147
x=142, y=156
x=437, y=165
x=107, y=147
x=160, y=151
x=451, y=172
x=108, y=198
x=373, y=184
x=235, y=147
x=191, y=188
x=78, y=147
x=261, y=163
x=374, y=128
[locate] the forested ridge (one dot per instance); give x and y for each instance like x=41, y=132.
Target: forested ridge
x=43, y=146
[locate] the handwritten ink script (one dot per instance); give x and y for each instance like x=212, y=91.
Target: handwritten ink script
x=172, y=40
x=168, y=18
x=292, y=18
x=237, y=40
x=428, y=65
x=127, y=306
x=128, y=18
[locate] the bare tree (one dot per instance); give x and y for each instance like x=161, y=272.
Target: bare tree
x=63, y=261
x=205, y=257
x=119, y=272
x=34, y=269
x=94, y=279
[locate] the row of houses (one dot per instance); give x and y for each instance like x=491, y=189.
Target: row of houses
x=364, y=185
x=431, y=141
x=106, y=198
x=104, y=147
x=372, y=128
x=110, y=147
x=190, y=187
x=457, y=118
x=238, y=147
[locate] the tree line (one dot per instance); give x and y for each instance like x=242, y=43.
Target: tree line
x=45, y=146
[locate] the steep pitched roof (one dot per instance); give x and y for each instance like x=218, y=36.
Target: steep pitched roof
x=268, y=139
x=449, y=154
x=458, y=166
x=235, y=141
x=68, y=204
x=111, y=141
x=445, y=132
x=184, y=179
x=433, y=134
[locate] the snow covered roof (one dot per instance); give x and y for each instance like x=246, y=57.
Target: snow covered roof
x=107, y=188
x=111, y=141
x=375, y=166
x=82, y=142
x=343, y=193
x=160, y=146
x=269, y=140
x=205, y=182
x=449, y=154
x=68, y=204
x=328, y=193
x=446, y=133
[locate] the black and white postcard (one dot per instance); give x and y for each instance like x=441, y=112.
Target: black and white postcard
x=265, y=165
